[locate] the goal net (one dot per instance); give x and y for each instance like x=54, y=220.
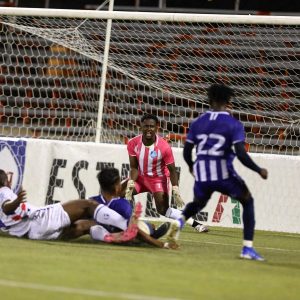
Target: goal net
x=52, y=63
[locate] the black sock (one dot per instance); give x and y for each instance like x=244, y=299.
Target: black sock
x=195, y=223
x=248, y=219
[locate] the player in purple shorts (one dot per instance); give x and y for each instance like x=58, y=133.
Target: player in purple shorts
x=214, y=134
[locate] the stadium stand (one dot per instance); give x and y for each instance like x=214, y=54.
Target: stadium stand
x=38, y=91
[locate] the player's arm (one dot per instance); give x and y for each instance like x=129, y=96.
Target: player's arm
x=154, y=242
x=133, y=175
x=174, y=181
x=246, y=160
x=173, y=174
x=134, y=168
x=169, y=161
x=187, y=155
x=9, y=206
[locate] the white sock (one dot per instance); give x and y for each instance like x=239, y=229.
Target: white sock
x=105, y=215
x=174, y=213
x=248, y=243
x=98, y=232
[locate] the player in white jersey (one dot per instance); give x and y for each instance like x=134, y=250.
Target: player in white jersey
x=19, y=218
x=151, y=167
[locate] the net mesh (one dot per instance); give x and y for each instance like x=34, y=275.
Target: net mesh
x=50, y=77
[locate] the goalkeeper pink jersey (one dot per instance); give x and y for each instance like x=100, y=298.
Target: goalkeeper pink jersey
x=153, y=160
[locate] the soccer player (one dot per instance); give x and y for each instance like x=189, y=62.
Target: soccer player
x=151, y=166
x=110, y=186
x=214, y=134
x=19, y=218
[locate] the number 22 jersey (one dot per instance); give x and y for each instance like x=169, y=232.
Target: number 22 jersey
x=214, y=133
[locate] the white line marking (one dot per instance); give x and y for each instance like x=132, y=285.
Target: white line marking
x=86, y=292
x=240, y=245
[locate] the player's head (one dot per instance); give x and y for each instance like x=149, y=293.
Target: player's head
x=109, y=180
x=3, y=178
x=149, y=126
x=219, y=94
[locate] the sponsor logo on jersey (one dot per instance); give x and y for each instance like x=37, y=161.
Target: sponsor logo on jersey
x=153, y=154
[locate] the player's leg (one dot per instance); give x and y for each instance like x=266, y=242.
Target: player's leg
x=201, y=197
x=77, y=229
x=90, y=209
x=131, y=231
x=160, y=190
x=236, y=188
x=100, y=233
x=174, y=213
x=83, y=209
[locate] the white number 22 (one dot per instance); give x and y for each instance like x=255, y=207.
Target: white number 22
x=214, y=150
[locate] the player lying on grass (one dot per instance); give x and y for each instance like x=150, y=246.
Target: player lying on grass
x=110, y=186
x=21, y=219
x=152, y=167
x=214, y=134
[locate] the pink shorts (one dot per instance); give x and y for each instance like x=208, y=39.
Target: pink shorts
x=152, y=184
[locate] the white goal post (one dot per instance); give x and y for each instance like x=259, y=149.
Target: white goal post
x=160, y=63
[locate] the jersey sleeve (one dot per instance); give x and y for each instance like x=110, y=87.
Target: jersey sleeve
x=6, y=194
x=238, y=133
x=121, y=206
x=130, y=148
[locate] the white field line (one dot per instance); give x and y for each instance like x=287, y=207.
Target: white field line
x=84, y=292
x=240, y=245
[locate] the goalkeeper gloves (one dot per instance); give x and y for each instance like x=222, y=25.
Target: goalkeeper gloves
x=129, y=190
x=176, y=195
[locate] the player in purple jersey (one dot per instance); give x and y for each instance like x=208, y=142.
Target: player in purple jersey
x=214, y=134
x=109, y=181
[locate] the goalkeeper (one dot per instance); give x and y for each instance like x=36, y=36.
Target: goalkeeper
x=151, y=167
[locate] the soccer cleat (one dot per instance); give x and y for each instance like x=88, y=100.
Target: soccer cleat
x=250, y=253
x=131, y=231
x=201, y=228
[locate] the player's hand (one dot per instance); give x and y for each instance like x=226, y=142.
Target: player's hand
x=176, y=195
x=264, y=173
x=129, y=190
x=21, y=196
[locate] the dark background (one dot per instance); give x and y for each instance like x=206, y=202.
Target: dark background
x=292, y=6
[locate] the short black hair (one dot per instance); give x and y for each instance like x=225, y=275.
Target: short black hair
x=3, y=178
x=149, y=117
x=219, y=93
x=108, y=178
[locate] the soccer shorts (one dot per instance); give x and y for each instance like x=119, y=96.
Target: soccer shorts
x=234, y=187
x=152, y=184
x=47, y=223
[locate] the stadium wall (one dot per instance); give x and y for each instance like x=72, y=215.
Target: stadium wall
x=52, y=171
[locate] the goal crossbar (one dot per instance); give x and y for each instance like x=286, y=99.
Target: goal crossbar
x=150, y=16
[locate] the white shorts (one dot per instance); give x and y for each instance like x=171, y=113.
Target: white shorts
x=47, y=223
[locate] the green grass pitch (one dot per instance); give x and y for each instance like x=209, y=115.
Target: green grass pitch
x=207, y=266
